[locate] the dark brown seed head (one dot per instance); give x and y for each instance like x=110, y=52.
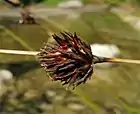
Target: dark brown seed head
x=68, y=60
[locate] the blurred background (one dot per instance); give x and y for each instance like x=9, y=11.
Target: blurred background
x=111, y=27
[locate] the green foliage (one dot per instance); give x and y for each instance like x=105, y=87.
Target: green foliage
x=114, y=2
x=53, y=2
x=87, y=1
x=91, y=1
x=31, y=1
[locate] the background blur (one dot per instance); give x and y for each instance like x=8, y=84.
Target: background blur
x=110, y=26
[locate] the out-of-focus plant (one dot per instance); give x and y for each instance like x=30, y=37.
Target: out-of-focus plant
x=113, y=3
x=53, y=2
x=90, y=1
x=26, y=15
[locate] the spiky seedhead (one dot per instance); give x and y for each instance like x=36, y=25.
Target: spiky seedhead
x=68, y=60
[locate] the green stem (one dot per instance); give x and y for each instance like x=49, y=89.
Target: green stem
x=16, y=38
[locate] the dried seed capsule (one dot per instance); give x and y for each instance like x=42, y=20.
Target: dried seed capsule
x=69, y=59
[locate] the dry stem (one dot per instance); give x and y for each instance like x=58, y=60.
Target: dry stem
x=34, y=53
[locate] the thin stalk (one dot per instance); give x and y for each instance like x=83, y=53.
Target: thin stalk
x=118, y=60
x=15, y=37
x=18, y=52
x=96, y=59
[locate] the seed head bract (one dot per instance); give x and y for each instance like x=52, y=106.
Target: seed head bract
x=69, y=60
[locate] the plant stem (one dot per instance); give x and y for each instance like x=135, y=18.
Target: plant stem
x=118, y=60
x=96, y=59
x=18, y=52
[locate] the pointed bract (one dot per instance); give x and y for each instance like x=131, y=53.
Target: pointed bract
x=69, y=59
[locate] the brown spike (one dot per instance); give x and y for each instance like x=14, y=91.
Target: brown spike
x=77, y=56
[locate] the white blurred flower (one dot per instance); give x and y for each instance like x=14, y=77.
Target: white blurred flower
x=71, y=4
x=5, y=75
x=105, y=50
